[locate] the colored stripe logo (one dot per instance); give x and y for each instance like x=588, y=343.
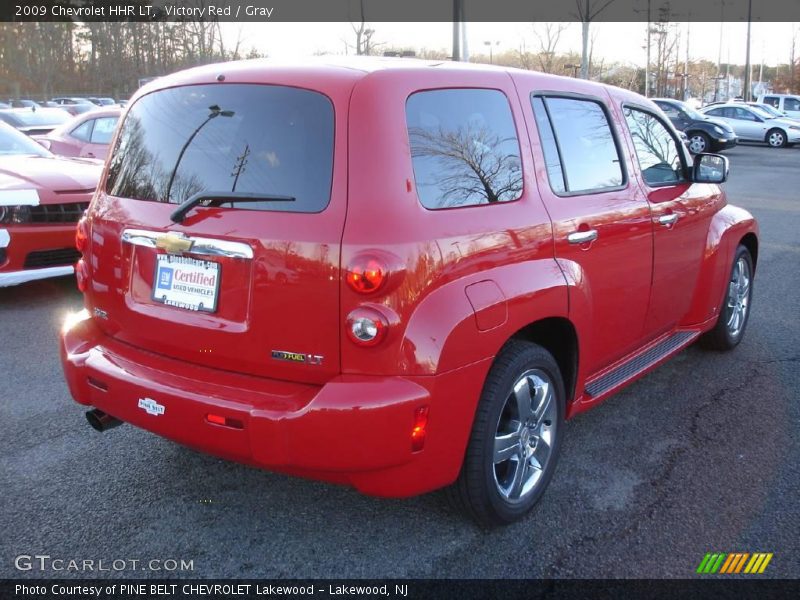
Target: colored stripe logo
x=724, y=563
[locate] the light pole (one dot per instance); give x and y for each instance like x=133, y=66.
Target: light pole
x=491, y=56
x=216, y=111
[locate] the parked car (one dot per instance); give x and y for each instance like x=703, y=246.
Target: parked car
x=788, y=104
x=41, y=199
x=474, y=260
x=34, y=121
x=87, y=135
x=771, y=110
x=755, y=125
x=104, y=101
x=75, y=106
x=23, y=103
x=703, y=133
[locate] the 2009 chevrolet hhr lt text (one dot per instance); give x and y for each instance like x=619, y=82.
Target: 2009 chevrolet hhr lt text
x=394, y=274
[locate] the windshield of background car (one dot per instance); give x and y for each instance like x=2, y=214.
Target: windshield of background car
x=262, y=139
x=693, y=113
x=761, y=112
x=14, y=142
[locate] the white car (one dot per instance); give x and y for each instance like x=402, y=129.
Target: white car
x=753, y=124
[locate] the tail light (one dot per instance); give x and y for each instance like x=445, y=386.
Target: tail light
x=418, y=431
x=366, y=326
x=366, y=276
x=82, y=235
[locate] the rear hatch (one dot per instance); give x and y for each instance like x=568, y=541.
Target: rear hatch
x=248, y=281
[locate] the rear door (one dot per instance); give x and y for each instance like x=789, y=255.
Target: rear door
x=602, y=228
x=248, y=287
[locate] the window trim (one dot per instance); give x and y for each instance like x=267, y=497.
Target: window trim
x=516, y=131
x=544, y=95
x=676, y=139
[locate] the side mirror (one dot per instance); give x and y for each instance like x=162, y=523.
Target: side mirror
x=710, y=168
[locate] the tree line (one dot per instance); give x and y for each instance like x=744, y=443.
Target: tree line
x=40, y=60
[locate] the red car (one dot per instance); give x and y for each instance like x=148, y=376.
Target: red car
x=87, y=135
x=41, y=199
x=477, y=254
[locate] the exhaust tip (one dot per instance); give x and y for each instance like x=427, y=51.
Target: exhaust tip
x=101, y=421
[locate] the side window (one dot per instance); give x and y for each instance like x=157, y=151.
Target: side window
x=656, y=149
x=791, y=104
x=585, y=145
x=716, y=112
x=83, y=131
x=103, y=130
x=744, y=115
x=464, y=147
x=772, y=101
x=671, y=111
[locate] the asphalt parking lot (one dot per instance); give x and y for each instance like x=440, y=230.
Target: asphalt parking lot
x=702, y=455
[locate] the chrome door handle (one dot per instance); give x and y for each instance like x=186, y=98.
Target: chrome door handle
x=582, y=237
x=668, y=219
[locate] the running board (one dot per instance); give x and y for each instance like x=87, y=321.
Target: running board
x=641, y=362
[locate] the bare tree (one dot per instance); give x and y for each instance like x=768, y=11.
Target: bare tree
x=588, y=11
x=548, y=36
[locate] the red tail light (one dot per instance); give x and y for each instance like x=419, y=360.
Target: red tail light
x=82, y=236
x=418, y=431
x=224, y=421
x=366, y=276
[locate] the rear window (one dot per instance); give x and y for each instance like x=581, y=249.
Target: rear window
x=222, y=138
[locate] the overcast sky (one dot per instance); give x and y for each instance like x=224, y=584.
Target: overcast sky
x=621, y=42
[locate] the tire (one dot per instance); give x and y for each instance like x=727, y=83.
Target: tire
x=776, y=138
x=699, y=142
x=498, y=493
x=735, y=312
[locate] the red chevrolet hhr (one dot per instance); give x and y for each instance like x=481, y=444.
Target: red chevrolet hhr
x=394, y=274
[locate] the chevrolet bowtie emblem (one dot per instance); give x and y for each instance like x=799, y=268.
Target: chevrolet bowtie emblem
x=174, y=243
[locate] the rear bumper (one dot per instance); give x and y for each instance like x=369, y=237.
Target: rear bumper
x=9, y=278
x=354, y=430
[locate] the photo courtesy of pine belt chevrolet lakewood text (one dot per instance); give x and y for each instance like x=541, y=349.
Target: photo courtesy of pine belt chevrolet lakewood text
x=394, y=274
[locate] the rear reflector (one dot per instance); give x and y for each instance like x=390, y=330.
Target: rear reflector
x=224, y=421
x=418, y=431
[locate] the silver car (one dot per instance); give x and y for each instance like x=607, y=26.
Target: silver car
x=753, y=124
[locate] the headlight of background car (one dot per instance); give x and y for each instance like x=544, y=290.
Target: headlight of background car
x=718, y=130
x=15, y=214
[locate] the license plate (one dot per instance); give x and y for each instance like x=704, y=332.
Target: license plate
x=186, y=282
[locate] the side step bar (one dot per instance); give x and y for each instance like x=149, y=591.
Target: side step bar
x=641, y=362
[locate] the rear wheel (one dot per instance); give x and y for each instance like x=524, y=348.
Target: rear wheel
x=516, y=436
x=733, y=316
x=776, y=138
x=699, y=142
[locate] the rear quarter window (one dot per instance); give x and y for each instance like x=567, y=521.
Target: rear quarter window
x=464, y=148
x=262, y=139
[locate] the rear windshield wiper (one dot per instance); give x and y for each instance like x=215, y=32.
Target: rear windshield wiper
x=223, y=198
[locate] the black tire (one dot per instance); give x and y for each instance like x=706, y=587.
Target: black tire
x=776, y=138
x=723, y=336
x=477, y=491
x=699, y=142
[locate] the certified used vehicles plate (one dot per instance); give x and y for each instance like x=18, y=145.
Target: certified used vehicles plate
x=187, y=282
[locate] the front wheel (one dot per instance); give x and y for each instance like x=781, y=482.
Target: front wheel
x=516, y=436
x=776, y=138
x=735, y=311
x=699, y=142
